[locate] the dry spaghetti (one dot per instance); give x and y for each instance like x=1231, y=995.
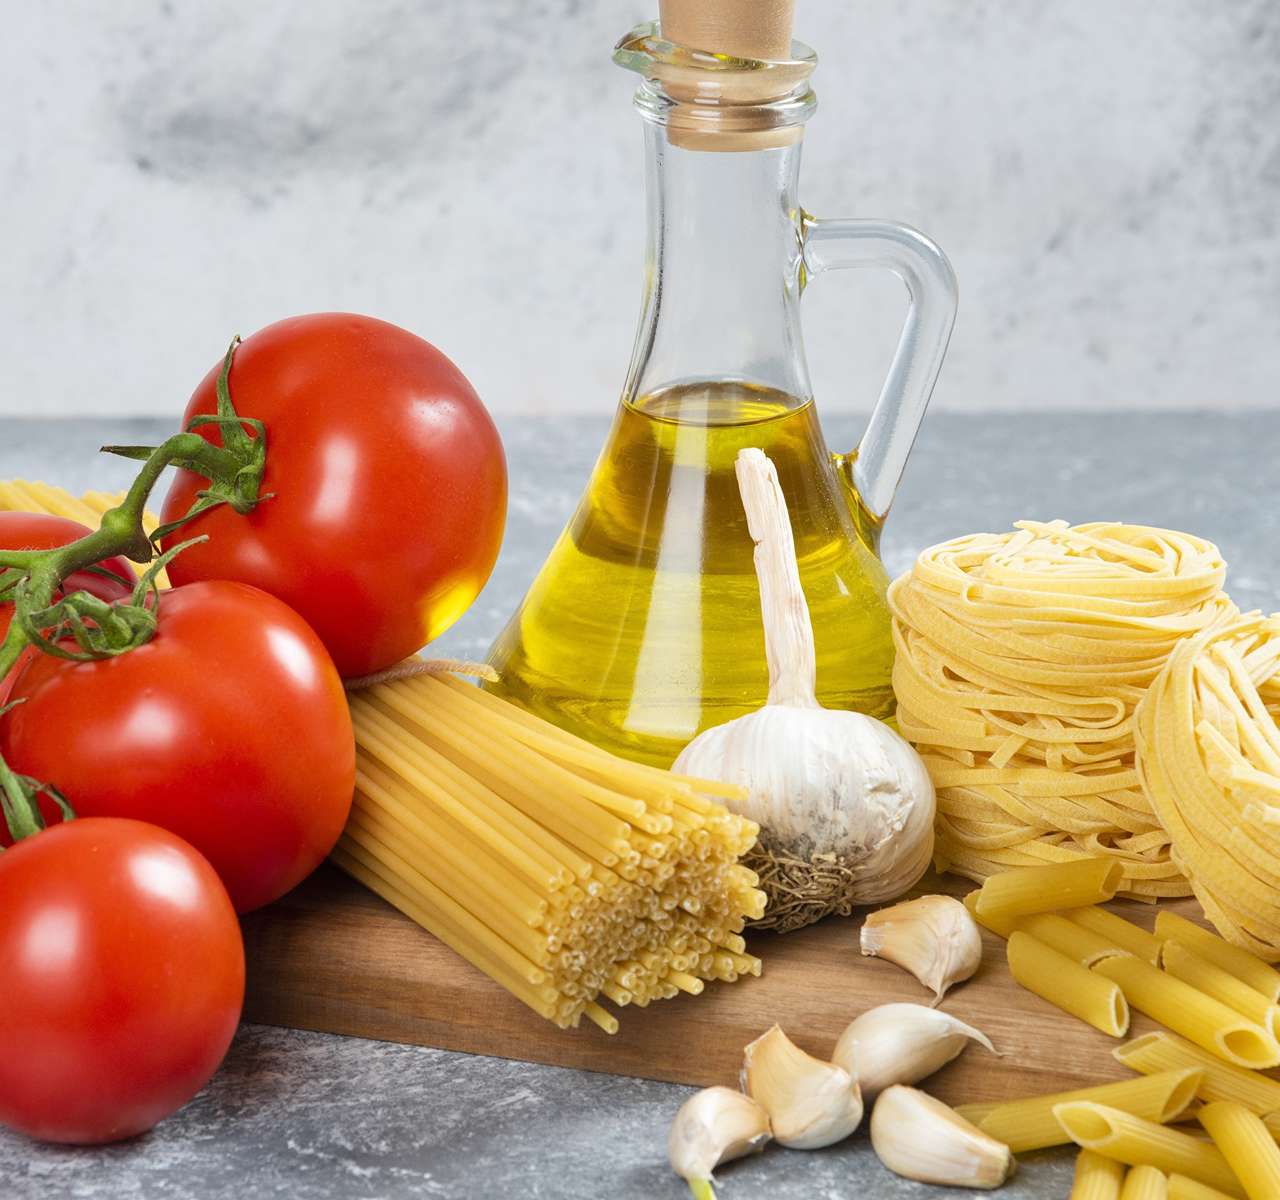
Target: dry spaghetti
x=1021, y=658
x=1209, y=756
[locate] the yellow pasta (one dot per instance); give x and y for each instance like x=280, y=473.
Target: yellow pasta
x=565, y=874
x=1199, y=1018
x=1140, y=1143
x=1021, y=658
x=1115, y=928
x=1097, y=1177
x=1028, y=1123
x=1245, y=1144
x=1144, y=1183
x=1208, y=747
x=1067, y=985
x=1161, y=1051
x=1245, y=966
x=1053, y=929
x=1211, y=979
x=1026, y=890
x=1182, y=1188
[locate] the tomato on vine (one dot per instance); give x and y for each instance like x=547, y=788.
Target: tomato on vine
x=123, y=972
x=229, y=727
x=387, y=480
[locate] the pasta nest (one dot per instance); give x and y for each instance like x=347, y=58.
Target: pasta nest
x=1021, y=660
x=1209, y=757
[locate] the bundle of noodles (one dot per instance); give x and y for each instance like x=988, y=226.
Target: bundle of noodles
x=1209, y=756
x=1021, y=659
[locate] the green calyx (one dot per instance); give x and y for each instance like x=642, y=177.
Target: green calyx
x=80, y=626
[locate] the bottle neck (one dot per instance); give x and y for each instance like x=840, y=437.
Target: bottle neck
x=723, y=271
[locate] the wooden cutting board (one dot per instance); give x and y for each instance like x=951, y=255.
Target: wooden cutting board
x=332, y=956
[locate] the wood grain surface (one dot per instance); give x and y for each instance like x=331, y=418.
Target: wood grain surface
x=332, y=956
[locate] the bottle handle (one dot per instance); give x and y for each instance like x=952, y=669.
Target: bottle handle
x=877, y=463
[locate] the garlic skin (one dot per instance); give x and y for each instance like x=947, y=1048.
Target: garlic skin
x=845, y=805
x=810, y=1103
x=716, y=1125
x=933, y=937
x=901, y=1043
x=920, y=1138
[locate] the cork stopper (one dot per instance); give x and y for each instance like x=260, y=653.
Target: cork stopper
x=759, y=29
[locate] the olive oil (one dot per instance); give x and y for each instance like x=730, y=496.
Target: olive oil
x=643, y=627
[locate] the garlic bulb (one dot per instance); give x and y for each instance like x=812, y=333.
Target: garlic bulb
x=920, y=1138
x=933, y=937
x=845, y=805
x=716, y=1125
x=810, y=1103
x=901, y=1043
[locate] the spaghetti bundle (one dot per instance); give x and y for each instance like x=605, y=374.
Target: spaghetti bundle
x=562, y=872
x=1021, y=659
x=1209, y=756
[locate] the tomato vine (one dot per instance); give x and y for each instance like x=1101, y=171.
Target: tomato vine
x=31, y=580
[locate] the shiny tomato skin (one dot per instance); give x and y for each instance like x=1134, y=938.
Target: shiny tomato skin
x=230, y=728
x=123, y=972
x=389, y=478
x=42, y=531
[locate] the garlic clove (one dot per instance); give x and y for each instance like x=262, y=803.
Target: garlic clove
x=716, y=1125
x=920, y=1138
x=810, y=1103
x=901, y=1043
x=934, y=938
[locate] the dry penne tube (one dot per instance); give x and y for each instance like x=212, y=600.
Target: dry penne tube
x=1163, y=1051
x=1249, y=967
x=1131, y=1140
x=1199, y=1018
x=1247, y=1146
x=1026, y=890
x=1181, y=1187
x=1117, y=930
x=1067, y=985
x=1028, y=1123
x=1054, y=929
x=1097, y=1177
x=1186, y=964
x=1144, y=1183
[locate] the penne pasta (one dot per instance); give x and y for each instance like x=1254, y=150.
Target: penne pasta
x=1067, y=985
x=1026, y=890
x=1131, y=1140
x=1184, y=963
x=1075, y=941
x=1247, y=1145
x=1144, y=1183
x=1114, y=928
x=1199, y=1018
x=1249, y=967
x=974, y=1113
x=1182, y=1188
x=1029, y=1124
x=1162, y=1051
x=1097, y=1177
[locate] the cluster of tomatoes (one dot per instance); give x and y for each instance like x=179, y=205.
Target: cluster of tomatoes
x=211, y=769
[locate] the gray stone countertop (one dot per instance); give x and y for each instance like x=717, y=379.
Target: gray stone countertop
x=311, y=1116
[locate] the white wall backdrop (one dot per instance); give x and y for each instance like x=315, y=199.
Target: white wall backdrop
x=1104, y=173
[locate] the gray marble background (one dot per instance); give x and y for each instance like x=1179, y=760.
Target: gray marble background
x=1105, y=175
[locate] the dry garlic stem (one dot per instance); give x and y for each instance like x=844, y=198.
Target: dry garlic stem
x=920, y=1138
x=716, y=1125
x=901, y=1043
x=933, y=937
x=845, y=805
x=810, y=1103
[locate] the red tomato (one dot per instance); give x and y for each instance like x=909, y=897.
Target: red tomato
x=123, y=975
x=230, y=728
x=40, y=531
x=389, y=479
